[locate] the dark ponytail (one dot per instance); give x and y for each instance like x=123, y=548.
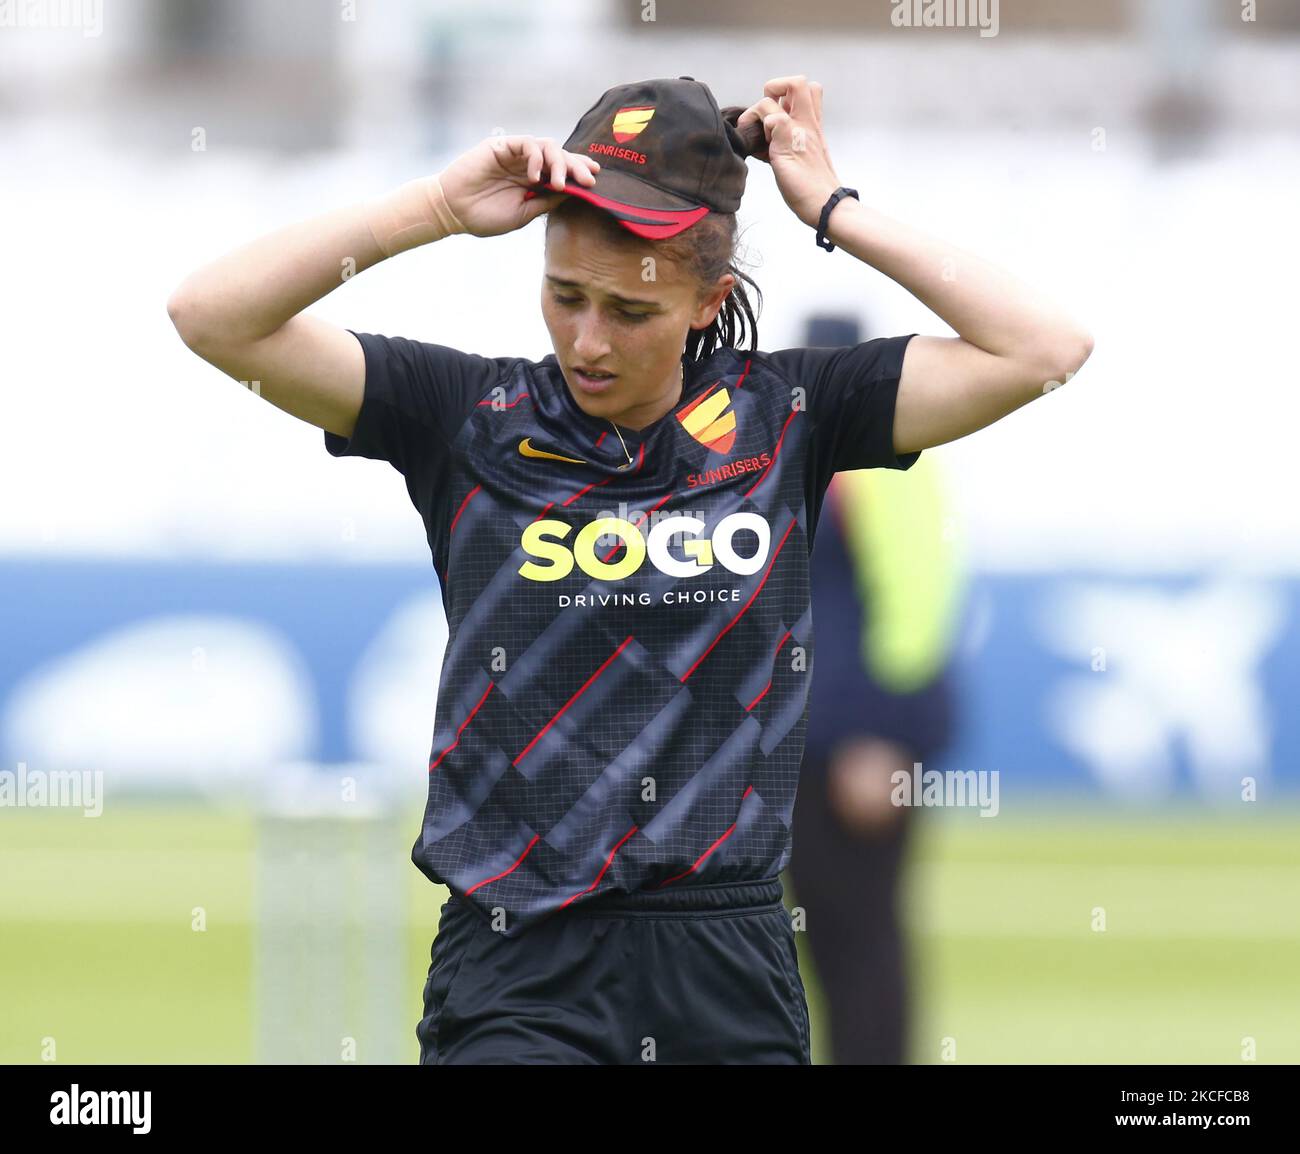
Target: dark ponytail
x=748, y=141
x=707, y=251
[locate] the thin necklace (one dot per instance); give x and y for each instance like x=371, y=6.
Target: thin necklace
x=623, y=443
x=681, y=386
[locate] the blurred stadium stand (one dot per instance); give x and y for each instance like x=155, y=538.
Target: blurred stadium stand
x=297, y=76
x=138, y=669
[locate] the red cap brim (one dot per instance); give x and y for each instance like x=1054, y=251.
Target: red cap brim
x=650, y=223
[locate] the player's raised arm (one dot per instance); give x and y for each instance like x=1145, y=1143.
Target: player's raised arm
x=1012, y=345
x=244, y=313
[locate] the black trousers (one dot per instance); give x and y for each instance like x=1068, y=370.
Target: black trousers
x=847, y=882
x=687, y=975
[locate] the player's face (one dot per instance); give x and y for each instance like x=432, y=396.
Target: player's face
x=614, y=307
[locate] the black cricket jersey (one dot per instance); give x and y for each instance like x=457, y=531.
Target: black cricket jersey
x=624, y=693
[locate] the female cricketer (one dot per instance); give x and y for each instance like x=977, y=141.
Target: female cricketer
x=621, y=531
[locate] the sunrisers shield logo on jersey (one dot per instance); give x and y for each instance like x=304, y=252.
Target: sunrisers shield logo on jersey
x=711, y=420
x=545, y=540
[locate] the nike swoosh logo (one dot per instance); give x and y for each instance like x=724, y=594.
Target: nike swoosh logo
x=526, y=449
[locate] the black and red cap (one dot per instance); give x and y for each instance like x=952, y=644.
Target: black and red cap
x=667, y=157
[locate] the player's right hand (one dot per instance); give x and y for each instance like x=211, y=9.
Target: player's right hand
x=485, y=186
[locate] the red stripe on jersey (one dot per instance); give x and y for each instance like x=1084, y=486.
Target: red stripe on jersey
x=730, y=830
x=560, y=713
x=769, y=680
x=462, y=509
x=603, y=868
x=434, y=764
x=748, y=603
x=775, y=451
x=505, y=873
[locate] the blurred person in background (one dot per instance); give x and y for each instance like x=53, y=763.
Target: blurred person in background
x=886, y=585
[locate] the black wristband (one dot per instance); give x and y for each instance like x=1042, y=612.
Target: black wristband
x=838, y=195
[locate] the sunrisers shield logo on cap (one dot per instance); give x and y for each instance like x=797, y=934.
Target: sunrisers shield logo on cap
x=711, y=420
x=628, y=122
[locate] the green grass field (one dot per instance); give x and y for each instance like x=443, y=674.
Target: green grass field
x=1201, y=947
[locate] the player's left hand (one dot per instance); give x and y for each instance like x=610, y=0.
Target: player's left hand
x=791, y=115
